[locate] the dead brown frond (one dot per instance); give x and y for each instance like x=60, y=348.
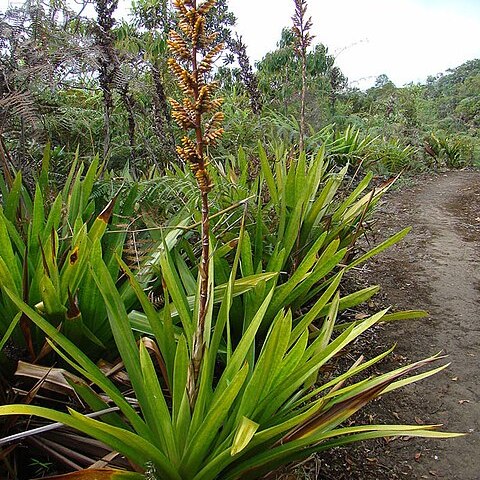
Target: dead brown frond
x=21, y=104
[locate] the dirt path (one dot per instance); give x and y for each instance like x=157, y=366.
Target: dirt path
x=437, y=268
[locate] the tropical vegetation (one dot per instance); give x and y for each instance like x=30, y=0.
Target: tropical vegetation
x=175, y=235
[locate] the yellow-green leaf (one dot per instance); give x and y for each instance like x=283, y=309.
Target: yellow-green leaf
x=245, y=432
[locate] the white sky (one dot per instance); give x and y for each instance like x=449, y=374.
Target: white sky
x=405, y=39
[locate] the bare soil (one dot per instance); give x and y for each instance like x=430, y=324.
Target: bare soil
x=436, y=268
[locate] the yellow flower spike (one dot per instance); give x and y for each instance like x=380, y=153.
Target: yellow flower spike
x=180, y=6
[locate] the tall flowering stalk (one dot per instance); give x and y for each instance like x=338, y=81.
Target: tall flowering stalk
x=303, y=39
x=193, y=53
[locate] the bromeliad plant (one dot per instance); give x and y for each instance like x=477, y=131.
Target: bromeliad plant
x=45, y=252
x=299, y=229
x=390, y=156
x=300, y=222
x=255, y=412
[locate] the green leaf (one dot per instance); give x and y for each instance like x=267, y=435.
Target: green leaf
x=245, y=432
x=163, y=331
x=129, y=444
x=282, y=392
x=352, y=300
x=283, y=291
x=71, y=173
x=12, y=202
x=320, y=206
x=240, y=353
x=95, y=402
x=7, y=253
x=339, y=379
x=339, y=212
x=292, y=359
x=246, y=256
x=88, y=181
x=52, y=304
x=100, y=224
x=180, y=375
x=391, y=317
x=268, y=460
x=267, y=365
x=176, y=290
x=315, y=312
x=54, y=216
x=161, y=420
x=188, y=280
x=380, y=248
x=10, y=330
x=125, y=340
x=139, y=320
x=324, y=336
x=267, y=174
x=37, y=228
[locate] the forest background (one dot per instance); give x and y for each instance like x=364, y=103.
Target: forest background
x=71, y=81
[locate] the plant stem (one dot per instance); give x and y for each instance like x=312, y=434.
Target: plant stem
x=302, y=106
x=198, y=340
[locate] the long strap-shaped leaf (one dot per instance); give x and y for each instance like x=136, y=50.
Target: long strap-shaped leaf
x=281, y=393
x=125, y=341
x=99, y=474
x=202, y=440
x=270, y=459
